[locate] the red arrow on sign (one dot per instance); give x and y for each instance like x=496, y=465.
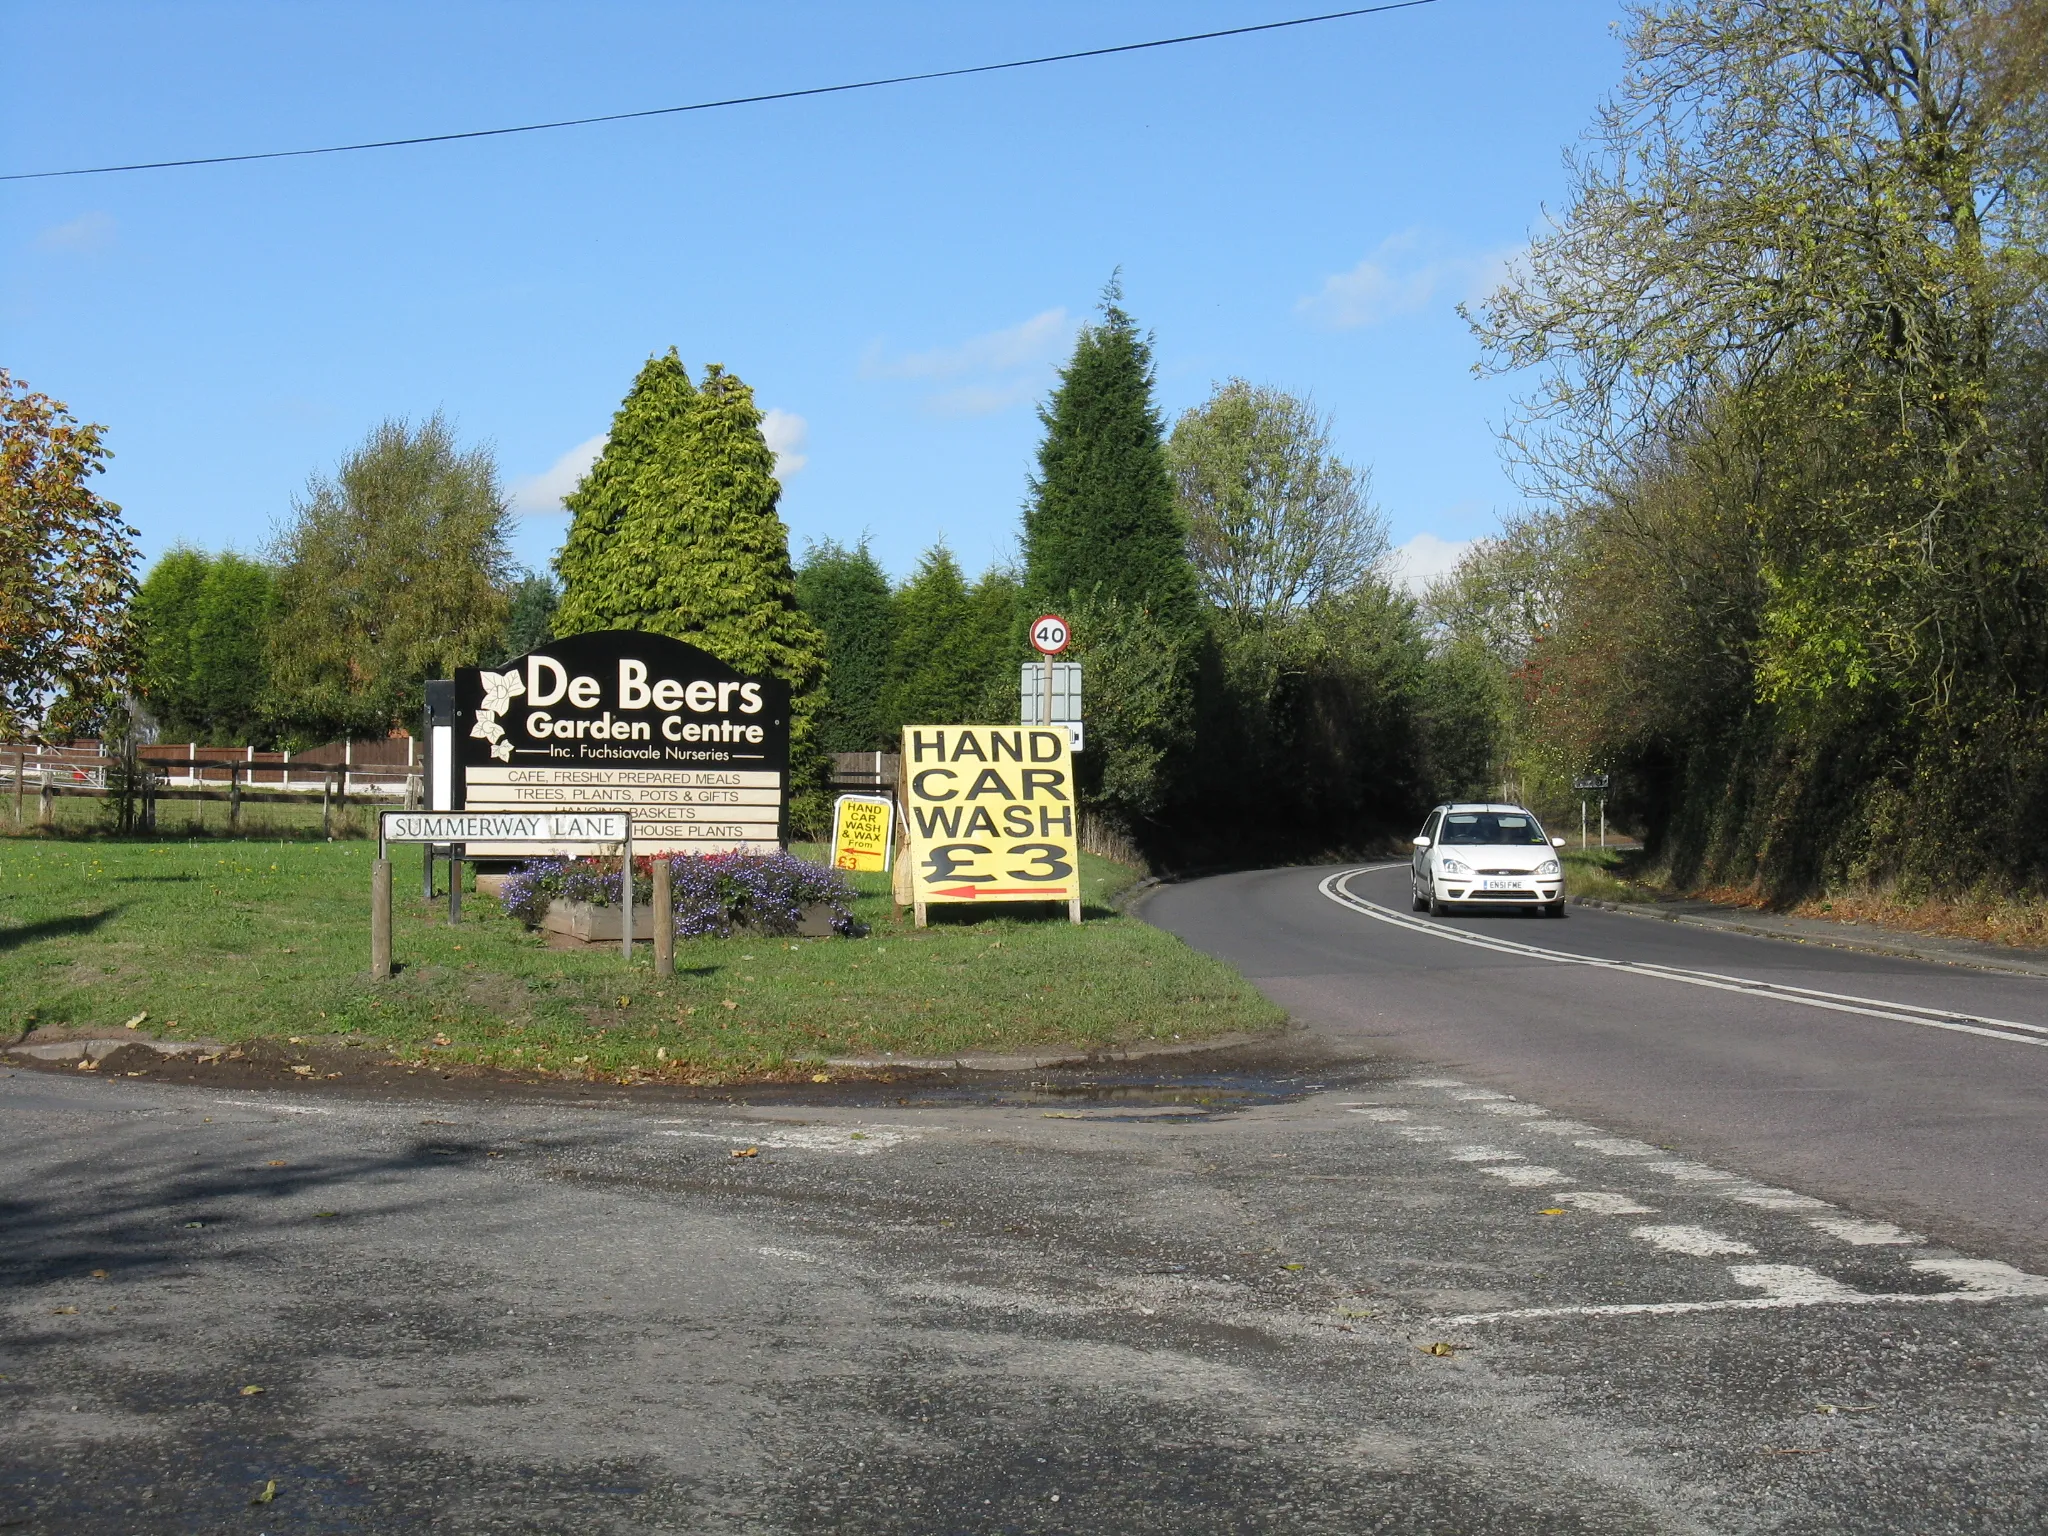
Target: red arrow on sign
x=971, y=892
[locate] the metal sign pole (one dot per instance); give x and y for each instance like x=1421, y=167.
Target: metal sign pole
x=455, y=853
x=626, y=894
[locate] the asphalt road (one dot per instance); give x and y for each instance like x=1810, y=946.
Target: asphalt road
x=1426, y=1275
x=1926, y=1124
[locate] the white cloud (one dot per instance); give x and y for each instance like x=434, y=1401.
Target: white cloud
x=1426, y=556
x=538, y=495
x=989, y=373
x=87, y=233
x=1404, y=273
x=786, y=433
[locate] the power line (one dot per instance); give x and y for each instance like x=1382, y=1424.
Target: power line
x=730, y=101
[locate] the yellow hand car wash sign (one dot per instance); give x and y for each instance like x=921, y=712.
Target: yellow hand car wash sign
x=991, y=814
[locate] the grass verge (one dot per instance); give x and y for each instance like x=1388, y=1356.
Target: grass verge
x=237, y=941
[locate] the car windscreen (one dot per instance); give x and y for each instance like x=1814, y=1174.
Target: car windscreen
x=1491, y=829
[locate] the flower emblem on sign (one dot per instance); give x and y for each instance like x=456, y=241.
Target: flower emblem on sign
x=500, y=688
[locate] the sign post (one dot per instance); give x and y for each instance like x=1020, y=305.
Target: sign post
x=1594, y=782
x=992, y=815
x=1049, y=636
x=538, y=830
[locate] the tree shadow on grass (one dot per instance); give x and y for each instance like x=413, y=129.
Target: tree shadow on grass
x=55, y=928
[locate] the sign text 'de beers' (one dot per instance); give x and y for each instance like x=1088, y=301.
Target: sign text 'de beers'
x=617, y=720
x=992, y=816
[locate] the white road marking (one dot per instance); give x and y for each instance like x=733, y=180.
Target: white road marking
x=1438, y=1082
x=1697, y=1241
x=1522, y=1173
x=1601, y=1202
x=794, y=1255
x=858, y=1142
x=1618, y=1146
x=1984, y=1276
x=1486, y=1155
x=1792, y=1285
x=282, y=1109
x=1421, y=1132
x=1693, y=1173
x=1335, y=888
x=1474, y=1094
x=1566, y=1128
x=1865, y=1234
x=1383, y=1114
x=1765, y=1198
x=1518, y=1111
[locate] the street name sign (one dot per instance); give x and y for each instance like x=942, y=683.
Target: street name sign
x=491, y=826
x=992, y=815
x=641, y=724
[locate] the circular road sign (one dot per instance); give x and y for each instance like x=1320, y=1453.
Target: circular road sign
x=1049, y=635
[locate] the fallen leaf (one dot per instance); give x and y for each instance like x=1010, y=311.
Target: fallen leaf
x=1439, y=1348
x=820, y=1077
x=63, y=1311
x=730, y=1003
x=275, y=1162
x=101, y=1274
x=253, y=1391
x=269, y=1492
x=303, y=1071
x=661, y=1053
x=87, y=1064
x=746, y=1151
x=1294, y=1266
x=136, y=1021
x=1554, y=1210
x=293, y=1040
x=625, y=1002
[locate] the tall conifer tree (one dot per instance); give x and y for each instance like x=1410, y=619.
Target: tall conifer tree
x=679, y=536
x=1102, y=520
x=847, y=593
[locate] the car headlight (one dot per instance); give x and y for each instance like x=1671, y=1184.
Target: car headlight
x=1451, y=866
x=1549, y=869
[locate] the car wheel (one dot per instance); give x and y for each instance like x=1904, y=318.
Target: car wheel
x=1417, y=901
x=1434, y=907
x=1554, y=909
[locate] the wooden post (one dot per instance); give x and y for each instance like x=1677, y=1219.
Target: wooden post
x=380, y=920
x=20, y=783
x=1074, y=907
x=327, y=805
x=46, y=811
x=235, y=796
x=664, y=918
x=455, y=851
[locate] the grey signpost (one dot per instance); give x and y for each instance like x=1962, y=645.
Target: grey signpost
x=1595, y=782
x=455, y=828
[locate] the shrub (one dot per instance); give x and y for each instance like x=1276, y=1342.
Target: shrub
x=715, y=894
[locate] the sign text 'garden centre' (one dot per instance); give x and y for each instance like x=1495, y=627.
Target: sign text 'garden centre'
x=620, y=720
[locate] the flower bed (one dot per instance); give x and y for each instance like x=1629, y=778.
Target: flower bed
x=715, y=895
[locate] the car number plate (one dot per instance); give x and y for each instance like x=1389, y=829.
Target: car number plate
x=1503, y=885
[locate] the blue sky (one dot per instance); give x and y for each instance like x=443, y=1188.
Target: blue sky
x=896, y=272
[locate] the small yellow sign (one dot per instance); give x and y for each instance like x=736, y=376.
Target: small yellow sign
x=992, y=815
x=860, y=832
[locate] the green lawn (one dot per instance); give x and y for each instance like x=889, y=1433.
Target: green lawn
x=240, y=940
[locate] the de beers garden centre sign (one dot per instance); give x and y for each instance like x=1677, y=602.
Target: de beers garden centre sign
x=616, y=720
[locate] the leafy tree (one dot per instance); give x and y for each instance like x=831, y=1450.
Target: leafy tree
x=676, y=533
x=530, y=620
x=67, y=561
x=649, y=432
x=846, y=592
x=1277, y=522
x=1101, y=518
x=391, y=572
x=231, y=622
x=163, y=612
x=948, y=645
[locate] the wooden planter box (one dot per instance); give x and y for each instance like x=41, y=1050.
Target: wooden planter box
x=600, y=925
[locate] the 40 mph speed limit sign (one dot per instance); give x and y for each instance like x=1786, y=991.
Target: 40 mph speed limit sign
x=1049, y=635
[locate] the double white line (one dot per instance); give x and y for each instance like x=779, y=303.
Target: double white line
x=1337, y=888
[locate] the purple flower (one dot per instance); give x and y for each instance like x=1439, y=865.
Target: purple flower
x=714, y=894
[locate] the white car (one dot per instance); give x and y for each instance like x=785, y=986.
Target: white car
x=1483, y=855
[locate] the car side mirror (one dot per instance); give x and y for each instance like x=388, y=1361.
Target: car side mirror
x=1557, y=842
x=1422, y=842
